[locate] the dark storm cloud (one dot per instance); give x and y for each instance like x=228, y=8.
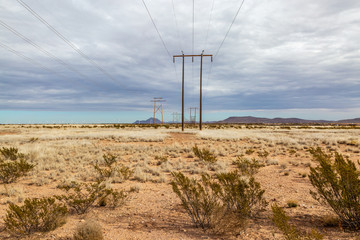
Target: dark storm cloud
x=278, y=55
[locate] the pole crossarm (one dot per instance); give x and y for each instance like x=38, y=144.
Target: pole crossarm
x=183, y=56
x=199, y=55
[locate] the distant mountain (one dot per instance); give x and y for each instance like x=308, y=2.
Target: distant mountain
x=255, y=120
x=148, y=121
x=354, y=120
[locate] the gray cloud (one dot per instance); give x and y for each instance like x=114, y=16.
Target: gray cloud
x=278, y=55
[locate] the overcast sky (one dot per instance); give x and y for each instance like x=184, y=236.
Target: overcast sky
x=281, y=58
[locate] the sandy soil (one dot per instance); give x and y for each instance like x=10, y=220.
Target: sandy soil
x=154, y=212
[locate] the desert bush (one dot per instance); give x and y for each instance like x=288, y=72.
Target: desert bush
x=337, y=184
x=292, y=203
x=209, y=200
x=204, y=154
x=109, y=159
x=88, y=230
x=124, y=172
x=281, y=221
x=81, y=196
x=104, y=172
x=161, y=160
x=11, y=153
x=36, y=215
x=14, y=165
x=239, y=194
x=249, y=151
x=113, y=198
x=110, y=169
x=197, y=199
x=248, y=167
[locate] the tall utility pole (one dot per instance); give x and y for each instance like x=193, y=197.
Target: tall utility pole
x=158, y=108
x=193, y=116
x=183, y=56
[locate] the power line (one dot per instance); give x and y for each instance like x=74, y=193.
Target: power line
x=34, y=62
x=208, y=27
x=229, y=28
x=40, y=48
x=157, y=30
x=177, y=26
x=65, y=39
x=193, y=29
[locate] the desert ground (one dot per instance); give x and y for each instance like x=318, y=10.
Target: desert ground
x=65, y=153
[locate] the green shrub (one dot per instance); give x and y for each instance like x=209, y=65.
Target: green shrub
x=11, y=153
x=161, y=160
x=109, y=159
x=80, y=197
x=281, y=221
x=337, y=184
x=88, y=230
x=197, y=199
x=292, y=204
x=209, y=200
x=36, y=215
x=104, y=172
x=113, y=198
x=248, y=167
x=204, y=154
x=124, y=171
x=14, y=165
x=239, y=194
x=110, y=169
x=249, y=151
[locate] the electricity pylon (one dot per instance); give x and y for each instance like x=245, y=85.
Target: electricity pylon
x=176, y=117
x=193, y=114
x=183, y=56
x=158, y=108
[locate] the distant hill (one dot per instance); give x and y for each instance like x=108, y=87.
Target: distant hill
x=255, y=120
x=354, y=120
x=148, y=121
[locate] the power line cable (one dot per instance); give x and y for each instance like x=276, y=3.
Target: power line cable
x=32, y=61
x=92, y=62
x=177, y=26
x=229, y=28
x=157, y=30
x=193, y=29
x=208, y=27
x=40, y=48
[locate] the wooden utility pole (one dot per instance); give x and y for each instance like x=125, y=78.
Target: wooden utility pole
x=158, y=108
x=183, y=56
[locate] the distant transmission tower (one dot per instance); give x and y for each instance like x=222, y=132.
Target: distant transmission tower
x=193, y=114
x=158, y=108
x=176, y=117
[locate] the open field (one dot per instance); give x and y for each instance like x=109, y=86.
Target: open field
x=153, y=211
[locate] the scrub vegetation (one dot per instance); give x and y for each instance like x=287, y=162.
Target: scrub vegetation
x=120, y=181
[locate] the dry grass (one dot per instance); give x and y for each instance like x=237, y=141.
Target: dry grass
x=68, y=153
